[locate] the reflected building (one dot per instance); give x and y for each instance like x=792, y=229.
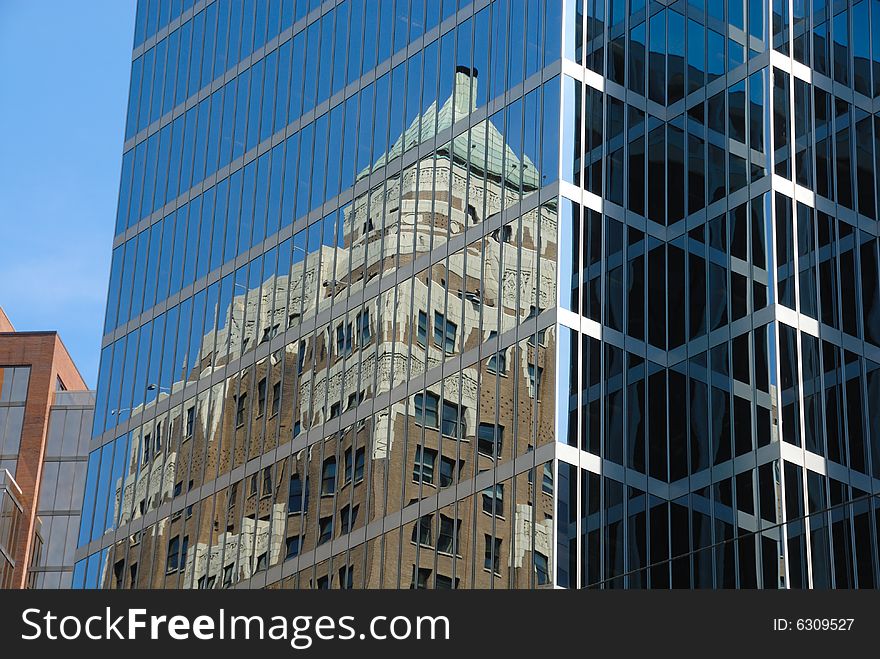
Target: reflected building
x=492, y=297
x=45, y=425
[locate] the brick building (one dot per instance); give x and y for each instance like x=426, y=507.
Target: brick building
x=45, y=419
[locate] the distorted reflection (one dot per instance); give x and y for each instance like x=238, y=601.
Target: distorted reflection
x=414, y=358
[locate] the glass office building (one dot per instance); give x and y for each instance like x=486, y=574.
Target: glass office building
x=493, y=294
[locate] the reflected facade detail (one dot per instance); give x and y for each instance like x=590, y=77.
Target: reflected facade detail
x=335, y=368
x=487, y=295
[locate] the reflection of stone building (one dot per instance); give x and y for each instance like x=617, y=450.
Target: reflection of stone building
x=316, y=457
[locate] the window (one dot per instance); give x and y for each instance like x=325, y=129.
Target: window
x=343, y=339
x=535, y=373
x=119, y=574
x=296, y=502
x=534, y=312
x=346, y=477
x=493, y=554
x=472, y=214
x=276, y=398
x=228, y=573
x=453, y=420
x=324, y=582
x=190, y=422
x=133, y=575
x=233, y=494
x=172, y=561
x=328, y=476
x=489, y=439
x=293, y=545
x=423, y=531
x=426, y=409
x=444, y=332
x=261, y=396
x=422, y=332
x=297, y=428
x=14, y=384
x=325, y=530
x=423, y=467
x=359, y=458
x=253, y=491
x=363, y=325
x=541, y=568
x=445, y=583
x=261, y=562
x=267, y=481
x=493, y=500
x=206, y=583
x=157, y=440
x=184, y=547
x=503, y=234
x=447, y=471
x=240, y=409
x=498, y=362
x=448, y=540
x=357, y=469
x=547, y=481
x=420, y=578
x=347, y=518
x=301, y=357
x=178, y=488
x=346, y=577
x=335, y=409
x=147, y=444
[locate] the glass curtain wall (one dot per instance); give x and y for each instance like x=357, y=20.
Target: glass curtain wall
x=329, y=349
x=719, y=295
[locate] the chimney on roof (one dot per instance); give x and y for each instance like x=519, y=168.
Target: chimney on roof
x=465, y=91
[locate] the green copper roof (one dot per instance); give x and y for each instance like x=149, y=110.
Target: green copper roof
x=484, y=147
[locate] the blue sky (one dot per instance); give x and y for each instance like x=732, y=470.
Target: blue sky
x=64, y=69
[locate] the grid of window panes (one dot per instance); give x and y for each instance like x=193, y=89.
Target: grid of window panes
x=61, y=488
x=826, y=251
x=727, y=534
x=11, y=514
x=13, y=397
x=698, y=382
x=330, y=349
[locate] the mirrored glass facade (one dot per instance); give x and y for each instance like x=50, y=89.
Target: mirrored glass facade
x=718, y=303
x=438, y=294
x=329, y=352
